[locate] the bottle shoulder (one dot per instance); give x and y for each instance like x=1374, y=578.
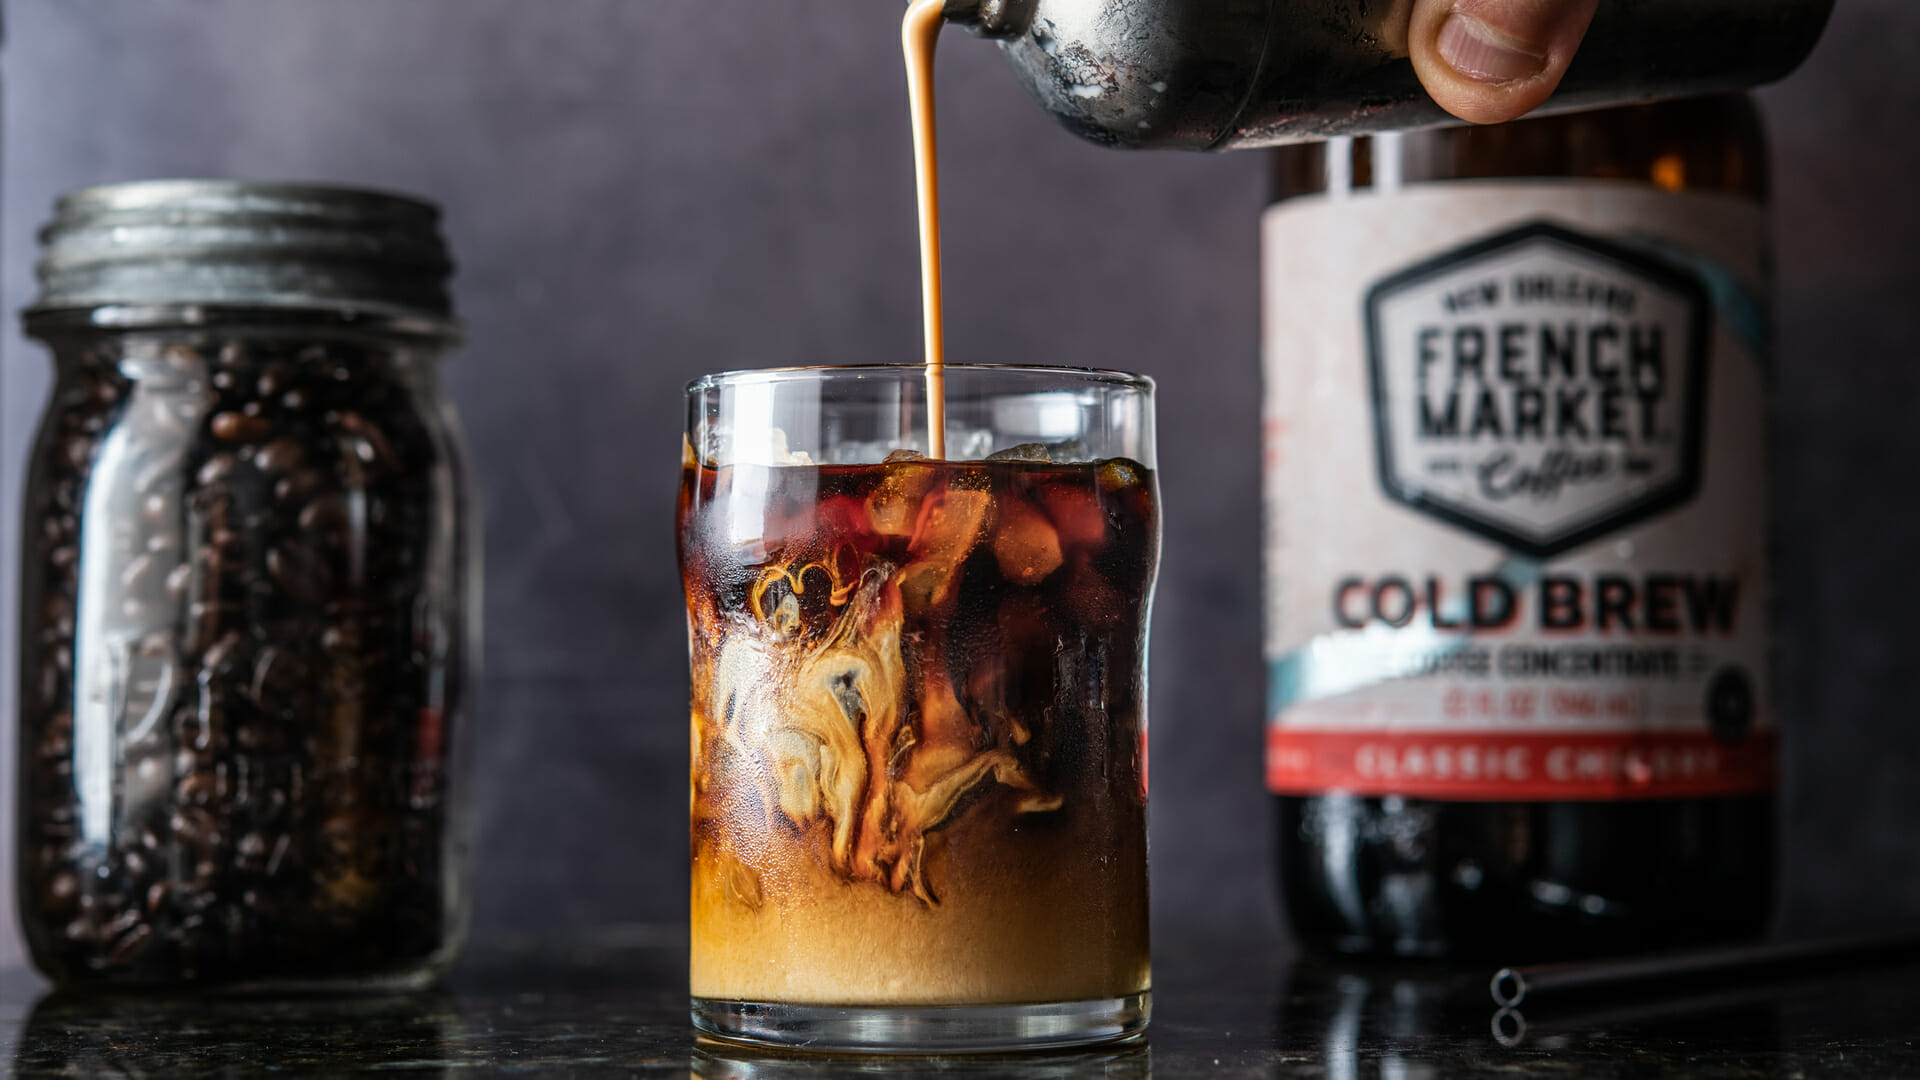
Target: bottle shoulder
x=1707, y=145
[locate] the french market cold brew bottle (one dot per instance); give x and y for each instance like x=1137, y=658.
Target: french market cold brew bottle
x=1518, y=522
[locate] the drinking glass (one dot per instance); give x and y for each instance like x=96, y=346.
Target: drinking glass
x=919, y=762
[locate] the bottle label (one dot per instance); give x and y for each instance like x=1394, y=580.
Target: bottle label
x=1517, y=493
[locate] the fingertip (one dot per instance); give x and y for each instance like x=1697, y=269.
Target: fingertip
x=1489, y=61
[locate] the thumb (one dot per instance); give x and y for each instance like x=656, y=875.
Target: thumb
x=1493, y=60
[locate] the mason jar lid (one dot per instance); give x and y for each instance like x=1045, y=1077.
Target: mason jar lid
x=164, y=243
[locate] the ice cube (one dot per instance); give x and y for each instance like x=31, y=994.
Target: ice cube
x=779, y=454
x=1032, y=451
x=1068, y=450
x=949, y=526
x=969, y=445
x=1092, y=600
x=750, y=446
x=893, y=508
x=1025, y=542
x=899, y=456
x=1119, y=474
x=1078, y=515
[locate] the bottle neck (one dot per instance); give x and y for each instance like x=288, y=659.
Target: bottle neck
x=1003, y=19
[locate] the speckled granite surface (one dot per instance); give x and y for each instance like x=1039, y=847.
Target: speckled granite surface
x=1226, y=1008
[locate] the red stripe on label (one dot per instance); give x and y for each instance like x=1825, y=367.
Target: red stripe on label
x=1500, y=765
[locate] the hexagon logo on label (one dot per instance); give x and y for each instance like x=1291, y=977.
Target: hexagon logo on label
x=1541, y=388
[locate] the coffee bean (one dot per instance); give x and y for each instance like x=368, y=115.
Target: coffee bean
x=280, y=456
x=274, y=378
x=178, y=579
x=226, y=659
x=196, y=790
x=56, y=614
x=225, y=540
x=297, y=574
x=129, y=944
x=56, y=606
x=139, y=576
x=62, y=888
x=204, y=618
x=121, y=922
x=56, y=737
x=341, y=639
x=192, y=827
x=80, y=451
x=378, y=448
x=299, y=486
x=278, y=677
x=324, y=513
x=239, y=428
x=216, y=470
x=252, y=849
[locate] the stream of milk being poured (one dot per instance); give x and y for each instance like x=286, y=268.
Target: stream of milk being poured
x=920, y=34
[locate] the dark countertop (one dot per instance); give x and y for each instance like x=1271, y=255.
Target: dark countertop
x=615, y=1005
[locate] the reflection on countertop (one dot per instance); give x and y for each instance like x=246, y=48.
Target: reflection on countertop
x=1226, y=1006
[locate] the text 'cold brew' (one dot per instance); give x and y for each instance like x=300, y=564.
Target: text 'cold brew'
x=1518, y=515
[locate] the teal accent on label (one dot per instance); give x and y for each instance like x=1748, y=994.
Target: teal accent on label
x=1340, y=663
x=1742, y=307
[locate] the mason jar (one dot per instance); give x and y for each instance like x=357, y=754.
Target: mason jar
x=248, y=611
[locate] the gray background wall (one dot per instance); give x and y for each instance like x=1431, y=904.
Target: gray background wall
x=643, y=190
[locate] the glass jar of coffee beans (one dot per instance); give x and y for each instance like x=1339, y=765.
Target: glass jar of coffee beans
x=248, y=612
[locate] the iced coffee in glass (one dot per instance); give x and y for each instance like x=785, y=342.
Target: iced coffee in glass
x=918, y=764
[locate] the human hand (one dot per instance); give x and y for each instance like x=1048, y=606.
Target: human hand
x=1489, y=61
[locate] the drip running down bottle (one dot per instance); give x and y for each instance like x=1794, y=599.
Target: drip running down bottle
x=1518, y=535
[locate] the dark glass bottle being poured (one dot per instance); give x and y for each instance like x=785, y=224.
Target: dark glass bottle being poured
x=1518, y=510
x=1209, y=75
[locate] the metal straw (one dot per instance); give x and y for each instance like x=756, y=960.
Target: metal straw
x=1512, y=985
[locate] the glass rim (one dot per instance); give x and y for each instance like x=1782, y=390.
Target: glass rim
x=749, y=376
